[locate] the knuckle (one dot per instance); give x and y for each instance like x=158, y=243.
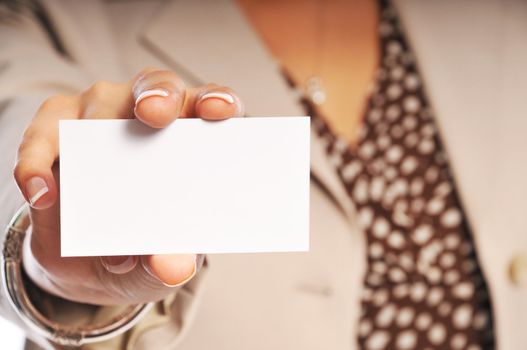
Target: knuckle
x=99, y=89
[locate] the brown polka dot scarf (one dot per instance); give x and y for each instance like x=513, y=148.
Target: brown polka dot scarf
x=423, y=288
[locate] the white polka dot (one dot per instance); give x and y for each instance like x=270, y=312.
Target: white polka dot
x=396, y=275
x=378, y=165
x=481, y=320
x=406, y=261
x=447, y=260
x=437, y=334
x=394, y=47
x=376, y=250
x=406, y=339
x=386, y=315
x=362, y=132
x=451, y=277
x=432, y=174
x=365, y=217
x=443, y=189
x=451, y=218
x=422, y=234
x=435, y=295
x=380, y=297
x=377, y=340
x=379, y=267
x=416, y=186
x=462, y=316
x=405, y=317
x=340, y=145
x=452, y=241
x=435, y=206
x=464, y=290
x=360, y=192
x=351, y=170
x=396, y=240
x=394, y=154
x=335, y=159
x=394, y=91
x=410, y=122
x=383, y=141
x=396, y=73
x=428, y=130
x=390, y=173
x=381, y=227
x=458, y=341
x=367, y=150
x=400, y=291
x=377, y=188
x=374, y=115
x=374, y=279
x=430, y=252
x=411, y=104
x=474, y=347
x=426, y=146
x=423, y=321
x=400, y=214
x=418, y=291
x=411, y=140
x=411, y=82
x=409, y=165
x=365, y=328
x=434, y=275
x=393, y=112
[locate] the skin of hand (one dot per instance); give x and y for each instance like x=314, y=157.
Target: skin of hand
x=156, y=98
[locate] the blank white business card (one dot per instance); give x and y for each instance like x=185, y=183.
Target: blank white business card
x=239, y=185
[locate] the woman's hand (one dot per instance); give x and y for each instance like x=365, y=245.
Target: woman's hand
x=154, y=97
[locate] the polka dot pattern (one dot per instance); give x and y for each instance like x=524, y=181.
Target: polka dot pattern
x=423, y=288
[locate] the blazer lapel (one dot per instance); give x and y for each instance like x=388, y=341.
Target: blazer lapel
x=83, y=28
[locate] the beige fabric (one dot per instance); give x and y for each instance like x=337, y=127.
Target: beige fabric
x=472, y=56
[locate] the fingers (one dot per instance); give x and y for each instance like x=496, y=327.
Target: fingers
x=171, y=270
x=145, y=278
x=217, y=103
x=119, y=264
x=39, y=150
x=161, y=97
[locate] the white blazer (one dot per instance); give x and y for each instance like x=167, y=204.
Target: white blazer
x=471, y=55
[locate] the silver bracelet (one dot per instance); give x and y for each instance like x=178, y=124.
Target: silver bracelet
x=52, y=331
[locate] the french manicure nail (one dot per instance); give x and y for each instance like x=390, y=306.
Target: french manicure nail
x=221, y=95
x=151, y=273
x=119, y=264
x=36, y=187
x=148, y=93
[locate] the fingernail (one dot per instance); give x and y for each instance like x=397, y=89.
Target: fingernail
x=36, y=187
x=148, y=93
x=119, y=264
x=147, y=268
x=221, y=95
